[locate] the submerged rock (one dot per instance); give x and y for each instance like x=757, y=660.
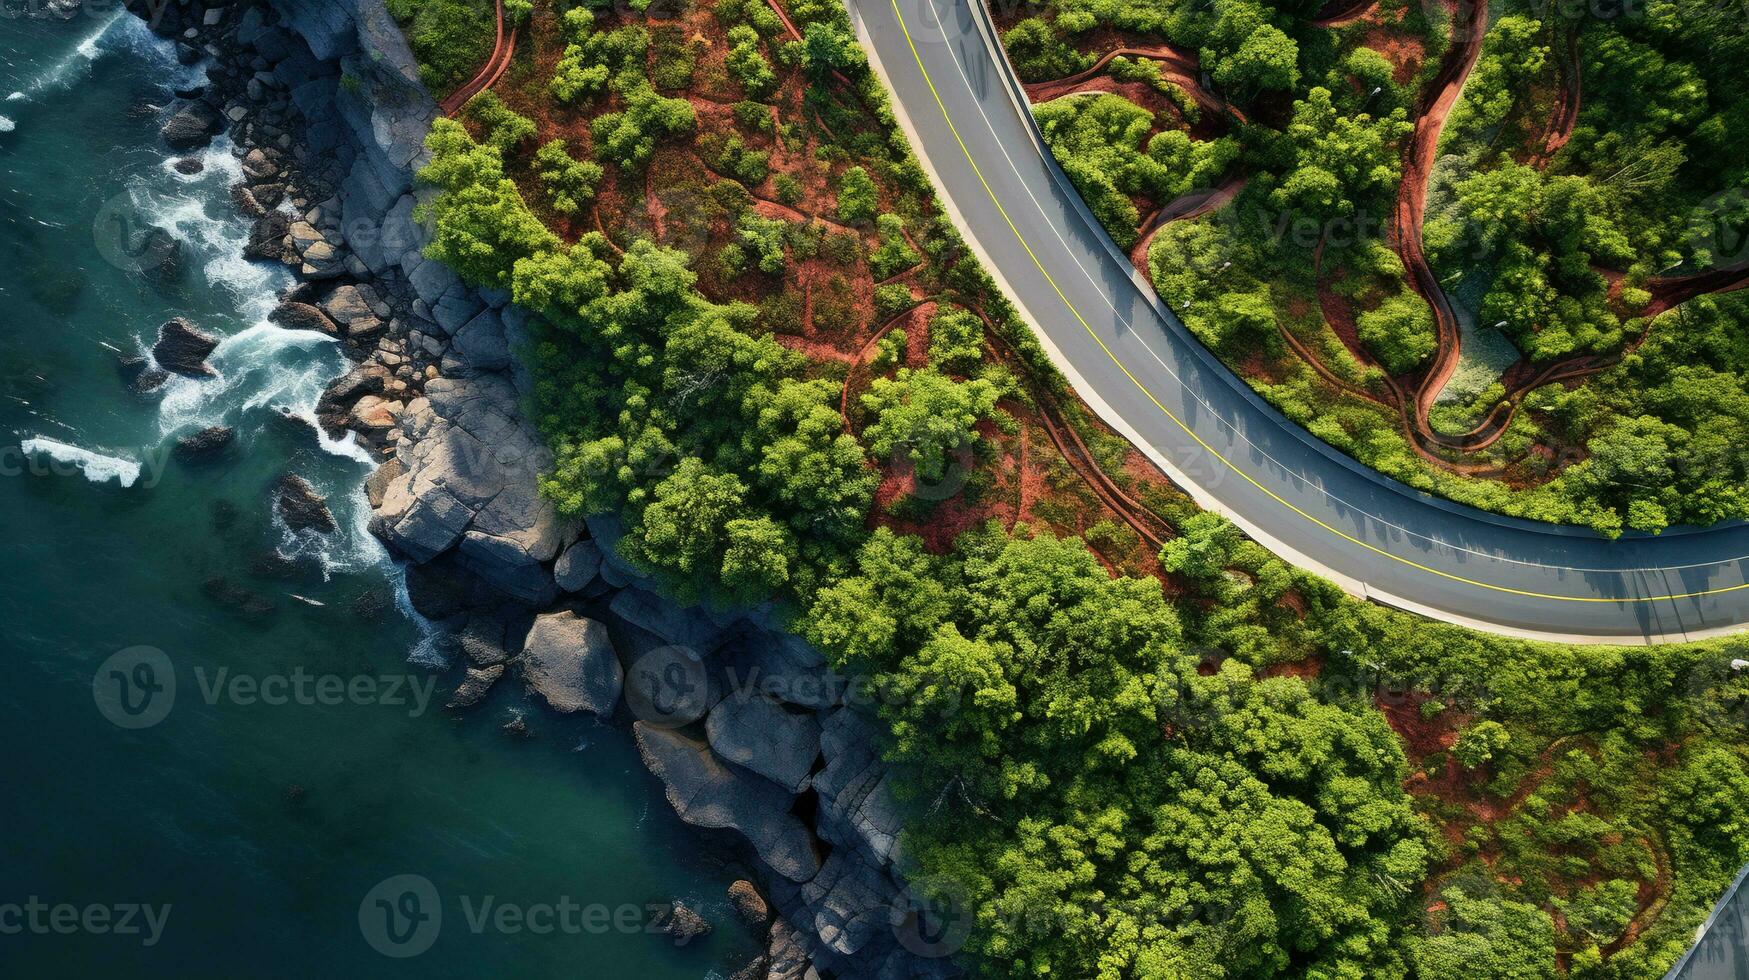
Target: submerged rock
x=474, y=686
x=301, y=507
x=682, y=924
x=204, y=445
x=183, y=348
x=159, y=255
x=249, y=605
x=189, y=166
x=141, y=377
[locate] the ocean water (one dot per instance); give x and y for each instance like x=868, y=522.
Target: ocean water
x=217, y=758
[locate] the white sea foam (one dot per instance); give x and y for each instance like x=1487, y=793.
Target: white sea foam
x=97, y=467
x=265, y=366
x=349, y=548
x=197, y=212
x=429, y=650
x=7, y=125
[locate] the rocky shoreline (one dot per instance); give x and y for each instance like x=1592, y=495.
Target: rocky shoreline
x=754, y=740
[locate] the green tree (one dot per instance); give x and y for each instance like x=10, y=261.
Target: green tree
x=1399, y=332
x=569, y=183
x=747, y=63
x=828, y=48
x=927, y=415
x=858, y=198
x=628, y=137
x=956, y=339
x=684, y=529
x=1477, y=744
x=1038, y=54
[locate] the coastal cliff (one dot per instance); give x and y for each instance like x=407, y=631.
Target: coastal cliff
x=755, y=741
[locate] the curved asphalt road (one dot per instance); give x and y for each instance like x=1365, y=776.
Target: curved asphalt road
x=1149, y=378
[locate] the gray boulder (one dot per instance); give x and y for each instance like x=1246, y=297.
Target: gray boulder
x=707, y=793
x=506, y=565
x=785, y=667
x=646, y=610
x=851, y=903
x=183, y=348
x=754, y=732
x=350, y=304
x=578, y=566
x=480, y=344
x=485, y=639
x=569, y=661
x=204, y=445
x=191, y=127
x=857, y=808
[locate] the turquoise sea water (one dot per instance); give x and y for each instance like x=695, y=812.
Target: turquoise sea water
x=263, y=827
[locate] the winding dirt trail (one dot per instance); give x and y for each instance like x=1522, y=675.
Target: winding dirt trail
x=1442, y=94
x=1567, y=101
x=1148, y=525
x=503, y=47
x=1181, y=68
x=1190, y=206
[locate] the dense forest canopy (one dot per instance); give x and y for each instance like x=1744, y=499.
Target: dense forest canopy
x=757, y=342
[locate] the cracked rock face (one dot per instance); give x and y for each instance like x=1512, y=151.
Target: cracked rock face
x=706, y=792
x=757, y=733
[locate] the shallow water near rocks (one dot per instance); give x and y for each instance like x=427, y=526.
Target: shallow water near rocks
x=263, y=827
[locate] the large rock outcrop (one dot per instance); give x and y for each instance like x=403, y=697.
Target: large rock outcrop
x=705, y=792
x=569, y=661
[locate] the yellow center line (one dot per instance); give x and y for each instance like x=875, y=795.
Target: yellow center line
x=978, y=171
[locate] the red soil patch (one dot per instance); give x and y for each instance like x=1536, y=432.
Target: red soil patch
x=1405, y=52
x=1306, y=669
